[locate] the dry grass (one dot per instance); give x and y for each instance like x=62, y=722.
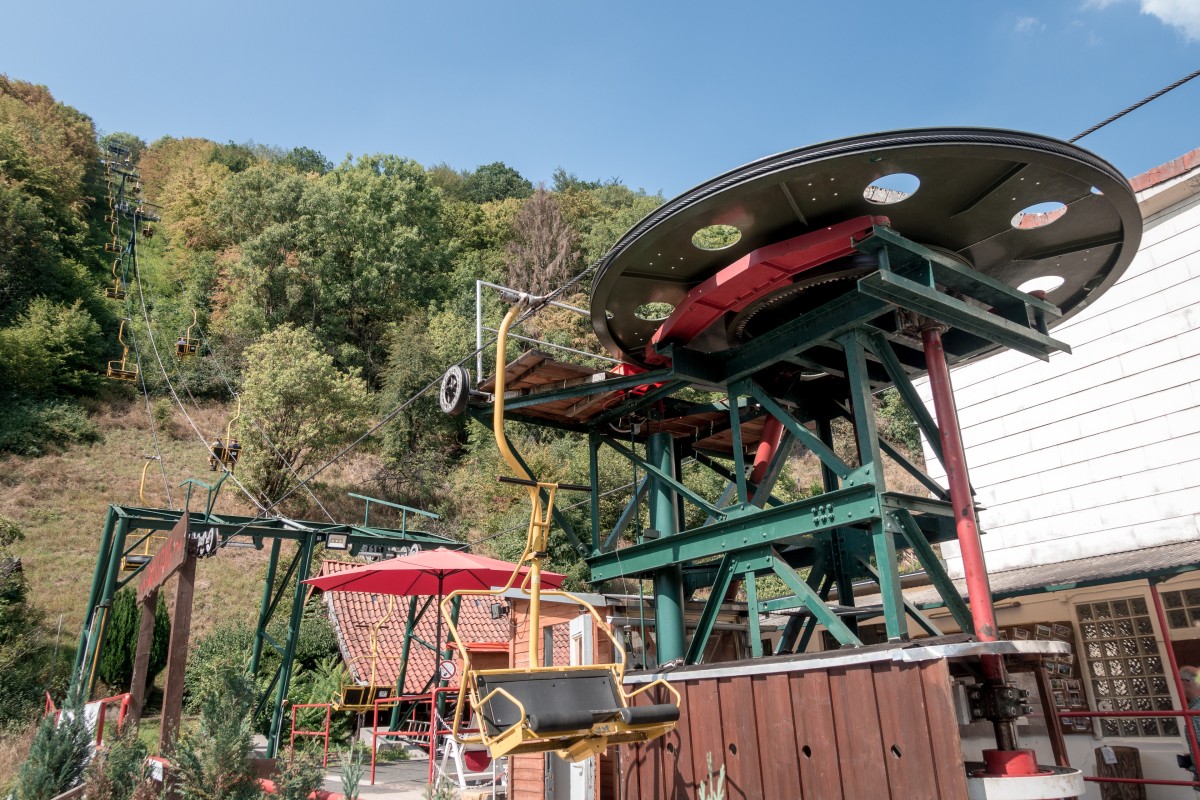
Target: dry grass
x=61, y=500
x=14, y=747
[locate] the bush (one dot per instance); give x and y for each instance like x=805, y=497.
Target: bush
x=118, y=769
x=24, y=652
x=301, y=776
x=120, y=644
x=31, y=428
x=52, y=348
x=57, y=756
x=213, y=762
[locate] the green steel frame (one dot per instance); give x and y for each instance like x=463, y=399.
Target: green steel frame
x=855, y=528
x=125, y=528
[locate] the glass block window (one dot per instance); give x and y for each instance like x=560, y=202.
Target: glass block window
x=1125, y=667
x=1183, y=608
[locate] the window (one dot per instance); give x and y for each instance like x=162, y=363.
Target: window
x=1183, y=608
x=1125, y=666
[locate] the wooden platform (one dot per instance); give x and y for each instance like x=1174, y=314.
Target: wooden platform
x=868, y=725
x=535, y=373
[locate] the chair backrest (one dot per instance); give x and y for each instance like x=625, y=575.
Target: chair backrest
x=575, y=695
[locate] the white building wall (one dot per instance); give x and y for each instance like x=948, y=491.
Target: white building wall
x=1099, y=450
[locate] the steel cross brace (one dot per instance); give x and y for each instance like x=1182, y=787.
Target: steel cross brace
x=675, y=485
x=743, y=527
x=749, y=564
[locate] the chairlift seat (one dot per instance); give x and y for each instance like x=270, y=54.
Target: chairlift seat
x=113, y=293
x=186, y=347
x=134, y=560
x=355, y=697
x=576, y=711
x=118, y=371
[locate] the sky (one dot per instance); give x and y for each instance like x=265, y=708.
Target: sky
x=659, y=95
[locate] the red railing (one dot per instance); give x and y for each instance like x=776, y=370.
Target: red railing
x=324, y=733
x=101, y=712
x=1187, y=715
x=431, y=734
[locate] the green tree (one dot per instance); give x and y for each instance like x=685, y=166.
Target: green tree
x=301, y=402
x=51, y=349
x=58, y=755
x=120, y=643
x=305, y=159
x=496, y=181
x=212, y=762
x=23, y=647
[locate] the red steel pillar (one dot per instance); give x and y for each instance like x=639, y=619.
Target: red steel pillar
x=1008, y=759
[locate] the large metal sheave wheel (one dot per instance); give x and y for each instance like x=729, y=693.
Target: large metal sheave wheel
x=968, y=189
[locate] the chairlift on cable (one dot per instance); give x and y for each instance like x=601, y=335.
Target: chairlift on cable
x=226, y=453
x=147, y=231
x=122, y=370
x=355, y=696
x=112, y=247
x=185, y=345
x=117, y=290
x=575, y=711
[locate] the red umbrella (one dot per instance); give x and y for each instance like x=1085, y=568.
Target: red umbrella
x=428, y=572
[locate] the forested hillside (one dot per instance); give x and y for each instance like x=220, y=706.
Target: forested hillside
x=321, y=299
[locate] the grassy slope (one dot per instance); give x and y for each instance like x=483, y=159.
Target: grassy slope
x=61, y=500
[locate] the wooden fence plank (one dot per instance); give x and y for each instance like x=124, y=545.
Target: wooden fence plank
x=943, y=729
x=778, y=753
x=743, y=774
x=704, y=716
x=684, y=784
x=907, y=752
x=816, y=741
x=856, y=726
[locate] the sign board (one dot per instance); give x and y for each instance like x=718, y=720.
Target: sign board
x=379, y=551
x=166, y=561
x=447, y=670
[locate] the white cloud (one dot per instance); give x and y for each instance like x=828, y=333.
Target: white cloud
x=1181, y=14
x=1029, y=25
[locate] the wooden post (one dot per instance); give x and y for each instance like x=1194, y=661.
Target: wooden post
x=141, y=660
x=177, y=655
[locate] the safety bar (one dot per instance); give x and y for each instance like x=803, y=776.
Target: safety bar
x=570, y=487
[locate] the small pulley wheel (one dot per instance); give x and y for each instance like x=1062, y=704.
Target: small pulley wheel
x=455, y=390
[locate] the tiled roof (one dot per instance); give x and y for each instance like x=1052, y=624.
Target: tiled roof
x=354, y=616
x=1165, y=172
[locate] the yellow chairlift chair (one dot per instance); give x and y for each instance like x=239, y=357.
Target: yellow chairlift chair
x=226, y=453
x=117, y=290
x=185, y=345
x=355, y=696
x=575, y=711
x=122, y=370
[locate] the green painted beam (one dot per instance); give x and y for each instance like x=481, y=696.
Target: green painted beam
x=743, y=528
x=902, y=521
x=814, y=603
x=658, y=474
x=806, y=437
x=820, y=325
x=712, y=608
x=958, y=314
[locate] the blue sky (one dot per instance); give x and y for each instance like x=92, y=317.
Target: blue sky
x=660, y=95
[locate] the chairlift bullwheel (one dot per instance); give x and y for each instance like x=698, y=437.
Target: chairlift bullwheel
x=455, y=390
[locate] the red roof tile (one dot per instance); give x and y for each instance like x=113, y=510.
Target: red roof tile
x=354, y=616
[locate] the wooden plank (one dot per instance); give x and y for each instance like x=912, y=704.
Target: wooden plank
x=141, y=658
x=181, y=625
x=779, y=755
x=743, y=778
x=907, y=751
x=166, y=561
x=816, y=741
x=684, y=785
x=942, y=724
x=856, y=727
x=704, y=724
